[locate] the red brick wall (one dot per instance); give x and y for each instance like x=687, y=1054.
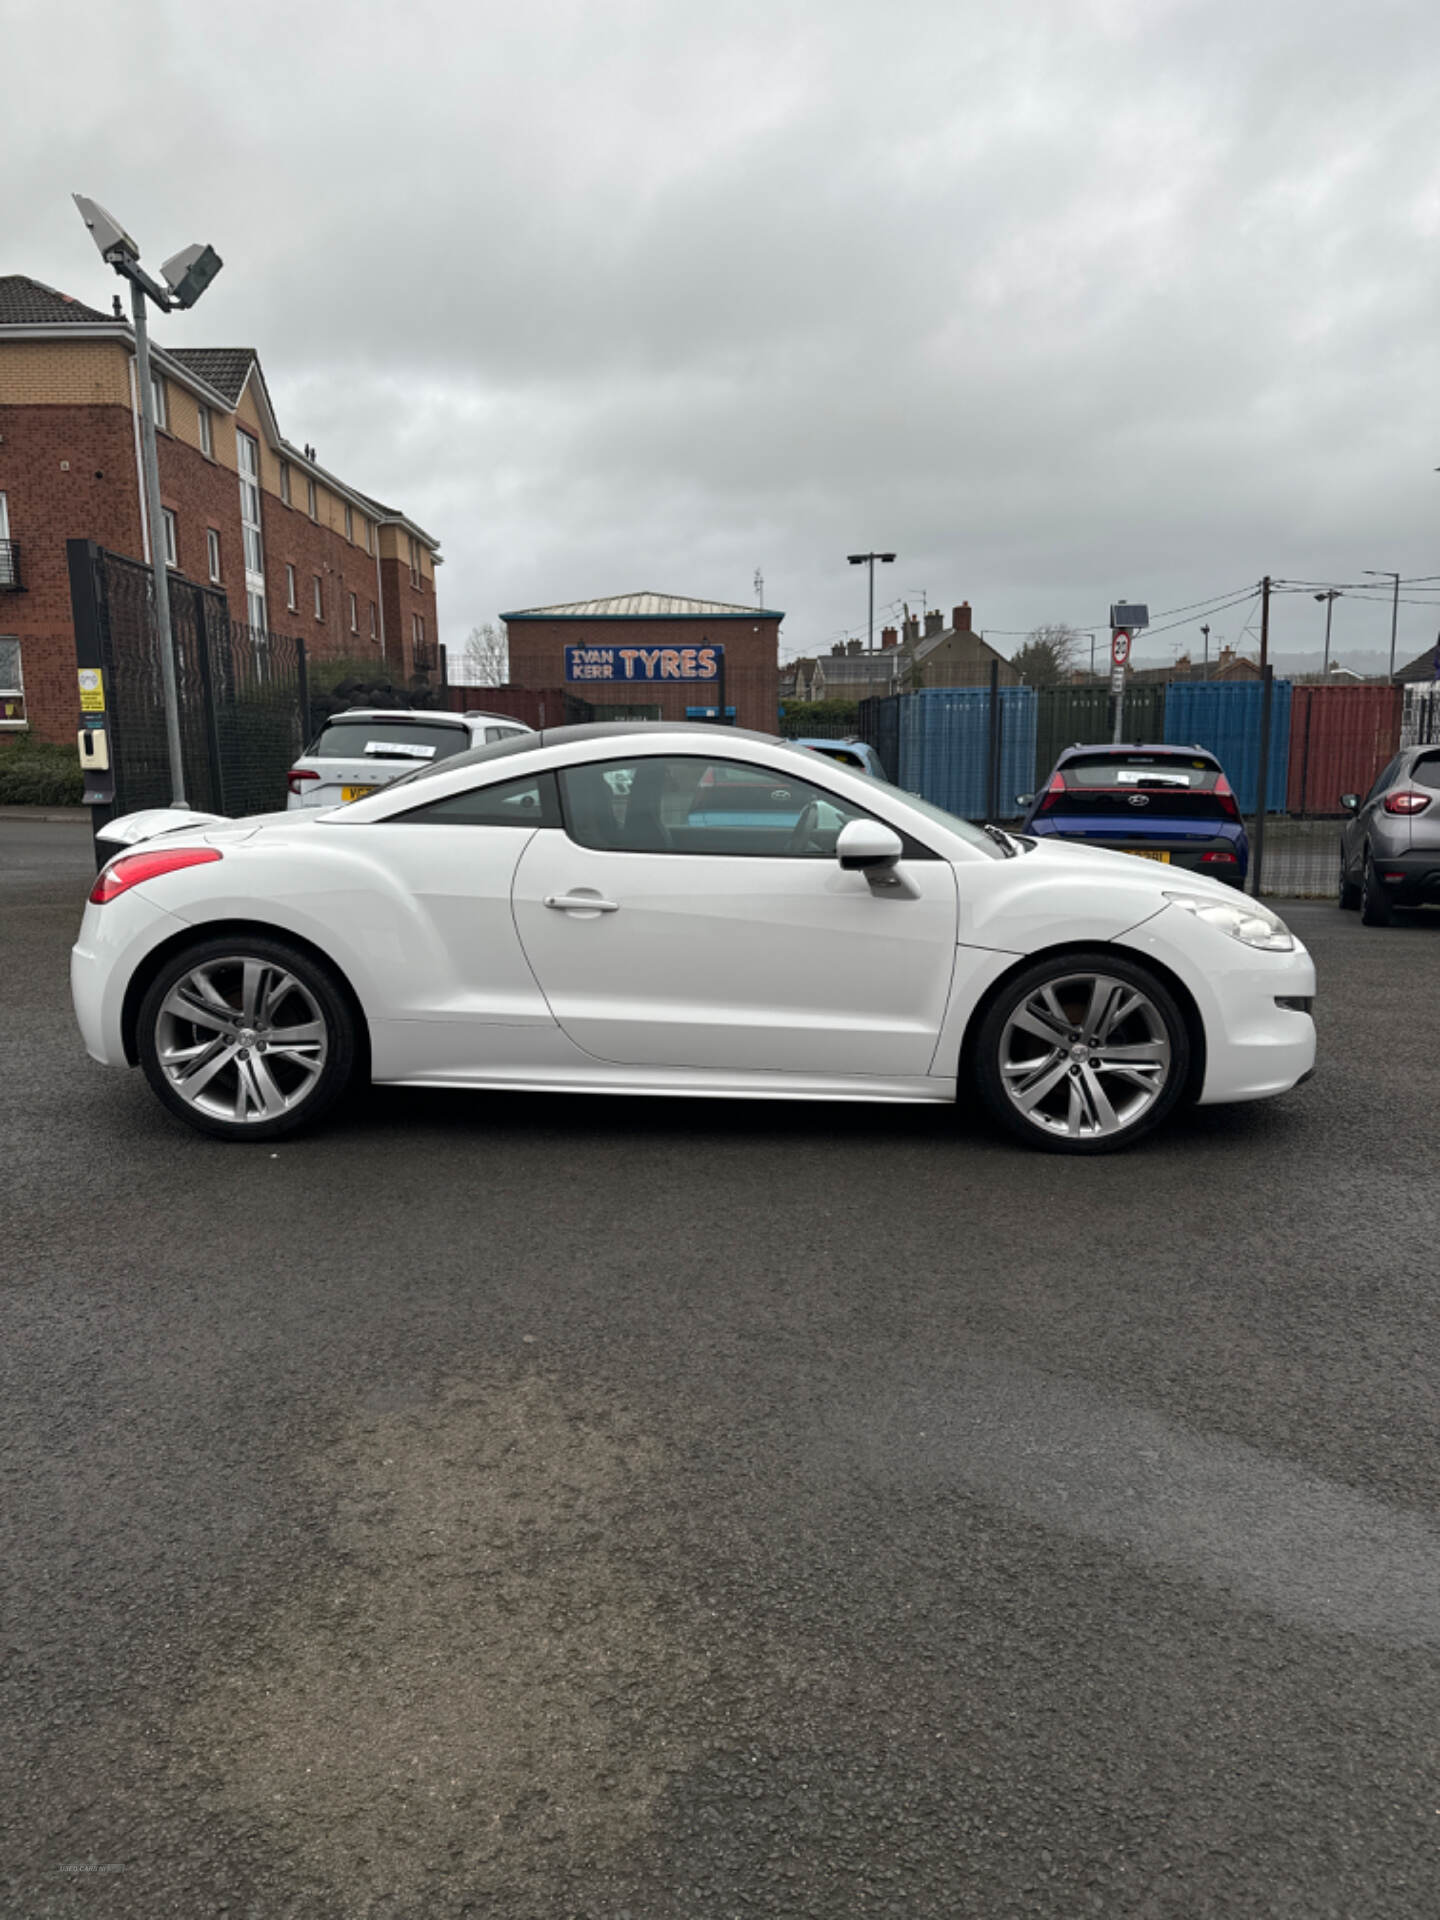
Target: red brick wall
x=98, y=498
x=403, y=600
x=752, y=680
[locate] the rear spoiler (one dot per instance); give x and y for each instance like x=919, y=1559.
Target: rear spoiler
x=152, y=822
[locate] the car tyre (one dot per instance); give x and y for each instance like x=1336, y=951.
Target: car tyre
x=246, y=1037
x=1082, y=1053
x=1376, y=909
x=1349, y=890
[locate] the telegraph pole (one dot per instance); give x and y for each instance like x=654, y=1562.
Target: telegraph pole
x=1388, y=573
x=1257, y=851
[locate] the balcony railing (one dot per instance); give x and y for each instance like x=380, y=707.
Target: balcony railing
x=10, y=581
x=423, y=656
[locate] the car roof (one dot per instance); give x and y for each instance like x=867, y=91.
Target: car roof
x=684, y=733
x=827, y=740
x=1133, y=746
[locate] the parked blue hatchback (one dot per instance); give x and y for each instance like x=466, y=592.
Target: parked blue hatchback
x=1163, y=803
x=849, y=753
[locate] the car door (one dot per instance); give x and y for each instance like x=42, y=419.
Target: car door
x=691, y=912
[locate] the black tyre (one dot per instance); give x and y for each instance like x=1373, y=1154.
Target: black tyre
x=1375, y=906
x=1082, y=1053
x=1349, y=889
x=246, y=1038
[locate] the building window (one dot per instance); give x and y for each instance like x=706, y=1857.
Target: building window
x=350, y=525
x=207, y=437
x=285, y=481
x=247, y=452
x=9, y=569
x=372, y=619
x=319, y=599
x=414, y=561
x=354, y=614
x=255, y=602
x=172, y=545
x=212, y=547
x=369, y=536
x=157, y=401
x=290, y=599
x=12, y=685
x=311, y=501
x=417, y=629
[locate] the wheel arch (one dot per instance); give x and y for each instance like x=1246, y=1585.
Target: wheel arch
x=1174, y=985
x=200, y=933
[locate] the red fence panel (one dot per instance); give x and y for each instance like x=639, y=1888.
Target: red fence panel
x=1340, y=737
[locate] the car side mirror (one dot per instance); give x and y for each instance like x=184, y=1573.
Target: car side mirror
x=867, y=846
x=1023, y=800
x=1350, y=802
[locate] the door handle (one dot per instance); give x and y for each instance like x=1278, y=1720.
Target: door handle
x=581, y=903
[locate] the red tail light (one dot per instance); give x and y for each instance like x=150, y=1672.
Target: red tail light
x=132, y=868
x=1406, y=802
x=1217, y=859
x=297, y=777
x=1057, y=785
x=1225, y=794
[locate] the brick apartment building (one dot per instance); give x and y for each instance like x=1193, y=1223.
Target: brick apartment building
x=292, y=547
x=538, y=637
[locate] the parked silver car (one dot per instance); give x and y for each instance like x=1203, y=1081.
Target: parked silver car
x=367, y=747
x=1390, y=846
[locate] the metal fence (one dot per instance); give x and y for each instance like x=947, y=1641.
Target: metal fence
x=242, y=690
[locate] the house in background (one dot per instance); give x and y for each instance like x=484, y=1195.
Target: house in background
x=294, y=548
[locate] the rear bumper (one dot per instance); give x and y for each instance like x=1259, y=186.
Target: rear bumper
x=1420, y=882
x=1185, y=852
x=113, y=940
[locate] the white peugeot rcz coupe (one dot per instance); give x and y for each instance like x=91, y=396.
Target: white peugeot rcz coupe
x=654, y=908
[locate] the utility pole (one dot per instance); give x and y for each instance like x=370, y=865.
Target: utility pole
x=864, y=559
x=1388, y=573
x=1205, y=636
x=1257, y=851
x=759, y=588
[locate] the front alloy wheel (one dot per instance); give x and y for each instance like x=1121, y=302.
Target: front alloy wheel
x=246, y=1040
x=1082, y=1054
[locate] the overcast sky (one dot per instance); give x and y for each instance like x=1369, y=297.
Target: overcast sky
x=1060, y=299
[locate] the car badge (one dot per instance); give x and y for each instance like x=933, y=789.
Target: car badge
x=1139, y=799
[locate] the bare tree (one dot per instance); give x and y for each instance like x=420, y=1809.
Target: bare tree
x=1048, y=655
x=486, y=657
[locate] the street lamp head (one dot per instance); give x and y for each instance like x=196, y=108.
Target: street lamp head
x=105, y=230
x=858, y=559
x=887, y=557
x=189, y=272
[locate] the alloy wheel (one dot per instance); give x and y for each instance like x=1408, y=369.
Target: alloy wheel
x=1085, y=1056
x=241, y=1039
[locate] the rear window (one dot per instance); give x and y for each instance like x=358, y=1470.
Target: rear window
x=1426, y=771
x=846, y=756
x=347, y=739
x=1142, y=770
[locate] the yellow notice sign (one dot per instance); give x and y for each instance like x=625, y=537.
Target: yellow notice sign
x=92, y=689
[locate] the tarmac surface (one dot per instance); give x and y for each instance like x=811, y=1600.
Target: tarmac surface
x=579, y=1507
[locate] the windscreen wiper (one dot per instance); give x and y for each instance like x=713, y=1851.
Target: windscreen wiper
x=1001, y=839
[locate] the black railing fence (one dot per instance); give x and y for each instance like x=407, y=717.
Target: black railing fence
x=242, y=690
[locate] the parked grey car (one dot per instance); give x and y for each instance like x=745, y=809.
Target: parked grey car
x=1390, y=846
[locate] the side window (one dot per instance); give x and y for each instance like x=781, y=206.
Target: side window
x=527, y=802
x=697, y=805
x=1383, y=779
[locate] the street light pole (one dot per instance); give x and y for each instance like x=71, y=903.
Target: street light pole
x=1205, y=636
x=159, y=559
x=1388, y=573
x=1329, y=598
x=187, y=274
x=864, y=559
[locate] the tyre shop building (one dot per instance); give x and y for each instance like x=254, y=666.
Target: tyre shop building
x=653, y=656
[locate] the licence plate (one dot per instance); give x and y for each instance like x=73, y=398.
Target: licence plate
x=359, y=793
x=1145, y=855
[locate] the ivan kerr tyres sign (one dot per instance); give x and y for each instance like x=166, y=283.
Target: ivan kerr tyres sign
x=704, y=662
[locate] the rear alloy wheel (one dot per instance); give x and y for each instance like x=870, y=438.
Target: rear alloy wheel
x=246, y=1039
x=1375, y=907
x=1083, y=1053
x=1349, y=892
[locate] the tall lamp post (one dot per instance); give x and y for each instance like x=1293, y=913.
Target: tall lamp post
x=869, y=559
x=1329, y=598
x=1205, y=636
x=187, y=275
x=1388, y=573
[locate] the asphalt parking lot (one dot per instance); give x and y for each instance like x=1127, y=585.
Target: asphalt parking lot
x=582, y=1507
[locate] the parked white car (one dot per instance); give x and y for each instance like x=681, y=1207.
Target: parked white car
x=656, y=908
x=363, y=749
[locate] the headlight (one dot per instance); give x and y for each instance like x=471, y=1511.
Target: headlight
x=1252, y=923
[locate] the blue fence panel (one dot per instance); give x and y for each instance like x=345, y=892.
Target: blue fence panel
x=945, y=747
x=1223, y=716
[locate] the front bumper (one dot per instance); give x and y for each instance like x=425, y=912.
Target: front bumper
x=1254, y=1047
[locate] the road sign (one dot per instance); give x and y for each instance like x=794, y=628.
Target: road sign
x=1120, y=646
x=1126, y=614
